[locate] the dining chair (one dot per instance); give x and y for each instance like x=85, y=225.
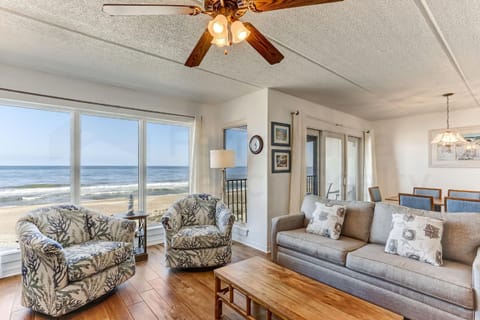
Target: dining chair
x=436, y=193
x=416, y=201
x=465, y=194
x=375, y=195
x=461, y=205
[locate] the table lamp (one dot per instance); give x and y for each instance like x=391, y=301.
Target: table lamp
x=222, y=159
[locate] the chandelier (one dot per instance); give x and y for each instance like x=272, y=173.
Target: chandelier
x=448, y=137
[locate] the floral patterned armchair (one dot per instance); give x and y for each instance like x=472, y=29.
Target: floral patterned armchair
x=198, y=232
x=71, y=256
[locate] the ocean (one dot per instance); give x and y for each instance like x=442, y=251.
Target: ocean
x=30, y=185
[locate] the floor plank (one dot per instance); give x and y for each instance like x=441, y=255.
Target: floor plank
x=155, y=292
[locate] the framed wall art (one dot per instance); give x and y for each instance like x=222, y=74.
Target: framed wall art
x=280, y=134
x=457, y=156
x=281, y=161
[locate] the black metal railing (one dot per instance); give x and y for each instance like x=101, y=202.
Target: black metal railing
x=312, y=184
x=236, y=198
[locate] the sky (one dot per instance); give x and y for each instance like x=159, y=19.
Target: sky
x=39, y=137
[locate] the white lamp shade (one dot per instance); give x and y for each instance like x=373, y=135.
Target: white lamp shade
x=220, y=159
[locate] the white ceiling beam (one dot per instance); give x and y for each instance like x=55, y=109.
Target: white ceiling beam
x=432, y=23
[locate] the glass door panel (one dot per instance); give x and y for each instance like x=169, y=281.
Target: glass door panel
x=236, y=139
x=334, y=166
x=353, y=168
x=312, y=162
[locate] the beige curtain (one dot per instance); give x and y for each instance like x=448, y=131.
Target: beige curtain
x=370, y=167
x=198, y=159
x=298, y=165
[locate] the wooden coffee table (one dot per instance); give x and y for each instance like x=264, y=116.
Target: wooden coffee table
x=287, y=294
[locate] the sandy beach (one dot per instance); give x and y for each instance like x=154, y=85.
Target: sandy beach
x=156, y=206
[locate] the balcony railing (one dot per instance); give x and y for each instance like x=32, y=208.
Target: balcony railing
x=236, y=198
x=312, y=184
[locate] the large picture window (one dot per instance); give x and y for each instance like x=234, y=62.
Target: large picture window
x=57, y=156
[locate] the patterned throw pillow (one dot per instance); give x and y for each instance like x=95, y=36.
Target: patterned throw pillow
x=327, y=220
x=416, y=237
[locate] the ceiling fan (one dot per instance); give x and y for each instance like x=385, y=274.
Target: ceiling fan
x=225, y=27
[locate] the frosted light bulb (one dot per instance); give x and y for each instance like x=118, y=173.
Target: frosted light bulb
x=217, y=27
x=220, y=42
x=242, y=35
x=239, y=32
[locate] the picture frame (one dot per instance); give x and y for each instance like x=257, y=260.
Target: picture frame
x=456, y=156
x=281, y=161
x=280, y=134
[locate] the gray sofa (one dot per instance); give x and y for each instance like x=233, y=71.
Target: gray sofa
x=357, y=263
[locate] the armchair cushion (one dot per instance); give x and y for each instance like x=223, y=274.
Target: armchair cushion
x=198, y=209
x=199, y=237
x=107, y=228
x=64, y=224
x=89, y=258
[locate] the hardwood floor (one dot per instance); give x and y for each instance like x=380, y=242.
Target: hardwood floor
x=155, y=292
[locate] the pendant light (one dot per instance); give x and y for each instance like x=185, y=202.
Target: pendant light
x=448, y=137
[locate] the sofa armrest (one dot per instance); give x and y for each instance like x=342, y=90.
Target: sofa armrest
x=476, y=284
x=43, y=259
x=284, y=223
x=108, y=228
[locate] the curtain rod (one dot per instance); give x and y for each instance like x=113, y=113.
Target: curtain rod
x=296, y=113
x=94, y=103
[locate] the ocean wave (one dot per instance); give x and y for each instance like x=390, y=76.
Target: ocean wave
x=51, y=194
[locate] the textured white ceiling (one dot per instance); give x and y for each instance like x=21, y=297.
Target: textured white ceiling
x=372, y=58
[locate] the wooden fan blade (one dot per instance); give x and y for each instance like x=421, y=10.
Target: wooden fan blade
x=149, y=9
x=262, y=45
x=269, y=5
x=200, y=50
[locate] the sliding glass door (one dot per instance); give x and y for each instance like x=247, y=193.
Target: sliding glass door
x=354, y=165
x=312, y=162
x=334, y=163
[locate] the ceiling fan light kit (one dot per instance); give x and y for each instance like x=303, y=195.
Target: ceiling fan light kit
x=225, y=28
x=225, y=32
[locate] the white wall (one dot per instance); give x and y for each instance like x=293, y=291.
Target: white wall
x=268, y=194
x=402, y=151
x=250, y=110
x=316, y=117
